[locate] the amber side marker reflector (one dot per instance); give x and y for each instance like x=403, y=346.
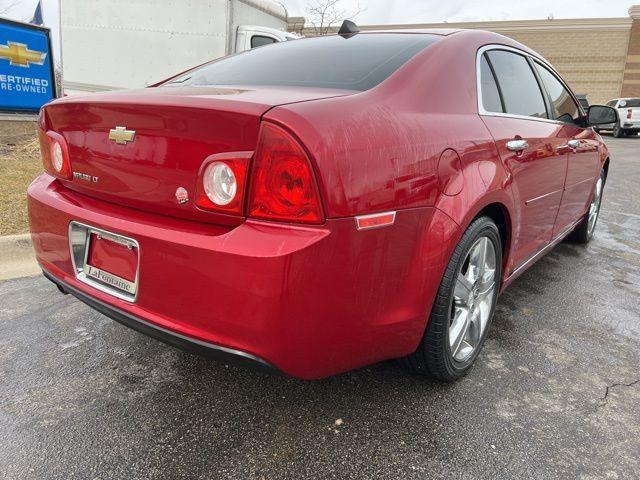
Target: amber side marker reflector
x=376, y=220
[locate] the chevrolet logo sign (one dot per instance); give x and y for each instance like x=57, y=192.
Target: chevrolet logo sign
x=20, y=56
x=121, y=135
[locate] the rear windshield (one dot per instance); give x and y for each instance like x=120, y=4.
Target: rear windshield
x=633, y=102
x=357, y=63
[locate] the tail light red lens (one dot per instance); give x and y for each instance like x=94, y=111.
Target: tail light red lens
x=221, y=183
x=55, y=154
x=629, y=111
x=283, y=186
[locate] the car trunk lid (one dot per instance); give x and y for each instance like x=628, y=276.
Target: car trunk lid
x=139, y=148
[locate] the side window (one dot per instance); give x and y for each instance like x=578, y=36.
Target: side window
x=260, y=40
x=612, y=103
x=521, y=93
x=491, y=101
x=566, y=109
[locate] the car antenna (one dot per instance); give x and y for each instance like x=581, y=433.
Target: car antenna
x=348, y=29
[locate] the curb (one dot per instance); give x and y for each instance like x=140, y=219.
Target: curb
x=10, y=243
x=17, y=258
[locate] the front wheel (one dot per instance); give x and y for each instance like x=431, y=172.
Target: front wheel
x=584, y=231
x=464, y=306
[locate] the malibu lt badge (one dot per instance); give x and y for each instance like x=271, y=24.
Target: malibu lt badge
x=85, y=177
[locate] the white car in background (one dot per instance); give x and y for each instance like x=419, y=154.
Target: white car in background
x=628, y=117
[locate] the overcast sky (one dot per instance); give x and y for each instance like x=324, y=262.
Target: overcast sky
x=416, y=11
x=427, y=11
x=405, y=11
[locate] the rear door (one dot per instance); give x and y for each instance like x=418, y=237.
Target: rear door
x=513, y=107
x=580, y=146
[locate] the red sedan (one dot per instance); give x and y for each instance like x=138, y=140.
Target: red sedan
x=318, y=205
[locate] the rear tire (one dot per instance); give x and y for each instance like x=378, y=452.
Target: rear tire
x=585, y=230
x=617, y=131
x=471, y=282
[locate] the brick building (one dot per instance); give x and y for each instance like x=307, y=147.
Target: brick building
x=599, y=57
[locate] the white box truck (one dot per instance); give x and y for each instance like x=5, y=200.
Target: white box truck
x=113, y=44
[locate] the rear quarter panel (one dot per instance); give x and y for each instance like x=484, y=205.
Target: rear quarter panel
x=379, y=150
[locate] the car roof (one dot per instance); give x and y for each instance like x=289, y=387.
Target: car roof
x=486, y=36
x=477, y=36
x=429, y=31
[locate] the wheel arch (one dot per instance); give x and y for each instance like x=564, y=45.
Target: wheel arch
x=495, y=205
x=500, y=215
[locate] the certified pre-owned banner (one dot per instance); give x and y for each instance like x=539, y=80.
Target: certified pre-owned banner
x=26, y=69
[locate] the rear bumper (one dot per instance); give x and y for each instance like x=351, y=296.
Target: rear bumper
x=170, y=338
x=310, y=302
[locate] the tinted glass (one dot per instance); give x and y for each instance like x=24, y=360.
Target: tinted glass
x=630, y=102
x=259, y=41
x=490, y=95
x=566, y=109
x=520, y=90
x=357, y=63
x=612, y=103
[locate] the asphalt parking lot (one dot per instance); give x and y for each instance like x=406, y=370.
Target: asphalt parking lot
x=555, y=393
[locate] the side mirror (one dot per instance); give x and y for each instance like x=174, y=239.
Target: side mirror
x=601, y=115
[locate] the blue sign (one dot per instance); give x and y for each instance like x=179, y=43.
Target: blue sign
x=26, y=67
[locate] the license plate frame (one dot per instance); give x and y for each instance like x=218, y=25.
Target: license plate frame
x=80, y=236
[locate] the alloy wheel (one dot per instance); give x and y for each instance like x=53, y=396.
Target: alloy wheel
x=594, y=208
x=473, y=296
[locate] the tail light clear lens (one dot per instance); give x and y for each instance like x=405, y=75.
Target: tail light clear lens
x=283, y=186
x=221, y=183
x=55, y=154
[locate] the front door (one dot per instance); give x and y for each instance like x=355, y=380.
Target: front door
x=579, y=145
x=530, y=146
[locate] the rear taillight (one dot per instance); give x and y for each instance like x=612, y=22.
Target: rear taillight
x=629, y=113
x=283, y=186
x=221, y=182
x=55, y=154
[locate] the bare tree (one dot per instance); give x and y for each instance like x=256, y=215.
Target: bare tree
x=323, y=14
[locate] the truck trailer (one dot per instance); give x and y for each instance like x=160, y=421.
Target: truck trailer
x=115, y=44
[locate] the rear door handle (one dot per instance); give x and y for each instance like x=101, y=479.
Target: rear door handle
x=517, y=145
x=574, y=144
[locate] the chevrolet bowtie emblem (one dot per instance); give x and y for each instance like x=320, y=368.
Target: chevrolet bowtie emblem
x=20, y=56
x=121, y=135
